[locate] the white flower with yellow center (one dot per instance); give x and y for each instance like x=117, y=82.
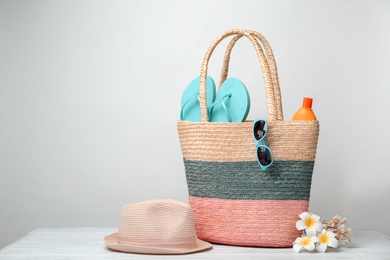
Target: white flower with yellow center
x=305, y=242
x=310, y=223
x=325, y=239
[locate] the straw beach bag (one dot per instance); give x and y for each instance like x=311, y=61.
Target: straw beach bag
x=234, y=201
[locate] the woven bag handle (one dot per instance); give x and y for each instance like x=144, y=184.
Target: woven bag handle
x=271, y=62
x=269, y=87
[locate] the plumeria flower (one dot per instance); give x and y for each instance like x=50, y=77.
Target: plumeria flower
x=305, y=242
x=325, y=239
x=310, y=223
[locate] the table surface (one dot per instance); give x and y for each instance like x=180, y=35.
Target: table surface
x=87, y=243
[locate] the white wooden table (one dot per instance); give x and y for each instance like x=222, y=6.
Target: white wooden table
x=87, y=243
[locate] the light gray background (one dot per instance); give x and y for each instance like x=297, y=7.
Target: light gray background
x=90, y=96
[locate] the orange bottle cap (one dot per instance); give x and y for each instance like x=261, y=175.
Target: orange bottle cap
x=307, y=102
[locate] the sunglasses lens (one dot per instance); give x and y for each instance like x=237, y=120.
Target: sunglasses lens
x=264, y=155
x=258, y=129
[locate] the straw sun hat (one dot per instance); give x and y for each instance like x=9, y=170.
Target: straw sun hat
x=156, y=227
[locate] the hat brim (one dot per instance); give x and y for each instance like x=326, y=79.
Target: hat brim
x=112, y=242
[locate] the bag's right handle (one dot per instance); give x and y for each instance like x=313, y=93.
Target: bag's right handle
x=268, y=82
x=272, y=66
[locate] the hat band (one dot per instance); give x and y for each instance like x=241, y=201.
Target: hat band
x=177, y=242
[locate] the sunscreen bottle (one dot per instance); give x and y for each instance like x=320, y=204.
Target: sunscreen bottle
x=305, y=112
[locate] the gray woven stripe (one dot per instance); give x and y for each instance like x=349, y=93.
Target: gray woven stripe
x=284, y=180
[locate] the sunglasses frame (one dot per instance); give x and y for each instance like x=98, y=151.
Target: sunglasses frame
x=262, y=142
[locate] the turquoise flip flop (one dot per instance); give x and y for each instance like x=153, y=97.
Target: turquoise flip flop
x=190, y=108
x=231, y=104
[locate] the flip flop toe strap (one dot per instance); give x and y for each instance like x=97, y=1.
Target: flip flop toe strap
x=227, y=113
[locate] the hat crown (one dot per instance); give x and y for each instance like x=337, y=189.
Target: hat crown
x=156, y=221
x=156, y=227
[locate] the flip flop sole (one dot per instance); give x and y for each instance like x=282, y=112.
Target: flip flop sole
x=190, y=108
x=232, y=102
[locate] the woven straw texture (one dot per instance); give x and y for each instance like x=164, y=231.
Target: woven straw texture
x=153, y=220
x=266, y=223
x=233, y=200
x=221, y=142
x=156, y=227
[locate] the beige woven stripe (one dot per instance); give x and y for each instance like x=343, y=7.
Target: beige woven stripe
x=233, y=142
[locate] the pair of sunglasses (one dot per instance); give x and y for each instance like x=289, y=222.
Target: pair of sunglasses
x=263, y=152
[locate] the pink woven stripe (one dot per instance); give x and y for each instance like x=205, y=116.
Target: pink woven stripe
x=263, y=223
